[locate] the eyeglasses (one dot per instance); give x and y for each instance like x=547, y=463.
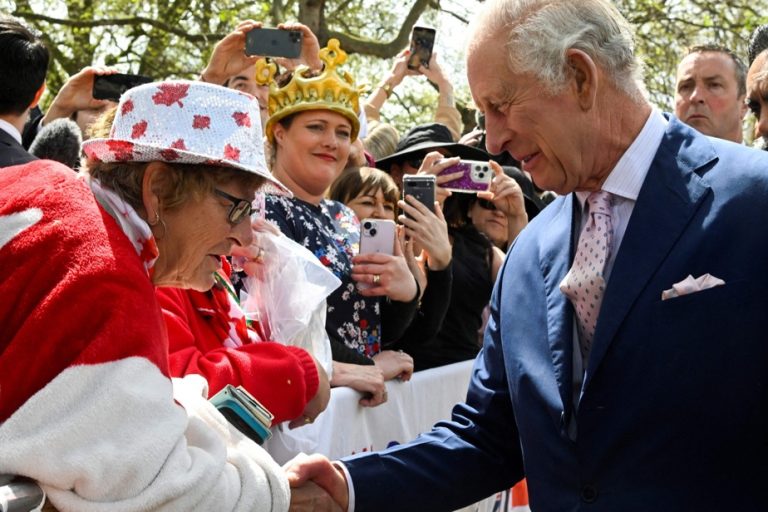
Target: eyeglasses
x=486, y=204
x=413, y=162
x=240, y=209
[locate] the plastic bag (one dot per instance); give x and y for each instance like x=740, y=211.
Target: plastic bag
x=287, y=296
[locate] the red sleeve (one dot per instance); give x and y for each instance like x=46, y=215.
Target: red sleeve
x=282, y=378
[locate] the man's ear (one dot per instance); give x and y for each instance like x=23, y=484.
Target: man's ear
x=38, y=95
x=150, y=185
x=584, y=76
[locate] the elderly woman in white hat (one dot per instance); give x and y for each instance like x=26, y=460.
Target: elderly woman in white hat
x=88, y=409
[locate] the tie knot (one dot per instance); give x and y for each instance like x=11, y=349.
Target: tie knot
x=600, y=201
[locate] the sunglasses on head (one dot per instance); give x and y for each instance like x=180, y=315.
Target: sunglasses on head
x=240, y=209
x=486, y=204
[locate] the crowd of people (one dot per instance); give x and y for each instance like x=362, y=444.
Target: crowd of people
x=603, y=280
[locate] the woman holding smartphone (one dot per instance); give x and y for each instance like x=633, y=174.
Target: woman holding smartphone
x=311, y=140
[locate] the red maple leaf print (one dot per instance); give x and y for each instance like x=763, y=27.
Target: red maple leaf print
x=200, y=122
x=127, y=107
x=123, y=150
x=231, y=153
x=169, y=155
x=169, y=94
x=139, y=129
x=242, y=119
x=179, y=144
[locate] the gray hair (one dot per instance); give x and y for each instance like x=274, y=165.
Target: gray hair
x=540, y=32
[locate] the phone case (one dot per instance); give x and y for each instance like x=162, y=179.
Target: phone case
x=111, y=87
x=377, y=236
x=244, y=412
x=422, y=187
x=273, y=42
x=476, y=178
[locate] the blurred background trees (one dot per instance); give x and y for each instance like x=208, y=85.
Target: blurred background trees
x=173, y=38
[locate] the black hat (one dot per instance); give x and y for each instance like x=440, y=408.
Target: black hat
x=428, y=137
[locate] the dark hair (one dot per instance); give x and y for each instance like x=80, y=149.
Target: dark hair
x=23, y=65
x=758, y=43
x=741, y=70
x=357, y=181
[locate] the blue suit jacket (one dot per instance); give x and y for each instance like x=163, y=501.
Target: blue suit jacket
x=674, y=414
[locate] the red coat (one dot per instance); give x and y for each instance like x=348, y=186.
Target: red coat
x=283, y=378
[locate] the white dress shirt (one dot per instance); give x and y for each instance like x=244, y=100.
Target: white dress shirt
x=10, y=129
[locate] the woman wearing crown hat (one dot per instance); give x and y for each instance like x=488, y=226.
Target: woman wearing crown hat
x=313, y=121
x=88, y=409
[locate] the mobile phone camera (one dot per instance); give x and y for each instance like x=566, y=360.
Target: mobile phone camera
x=369, y=228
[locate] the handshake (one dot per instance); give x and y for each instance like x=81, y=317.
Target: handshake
x=317, y=484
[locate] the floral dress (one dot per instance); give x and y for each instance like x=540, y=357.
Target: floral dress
x=332, y=232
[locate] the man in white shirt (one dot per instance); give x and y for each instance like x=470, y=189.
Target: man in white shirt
x=23, y=66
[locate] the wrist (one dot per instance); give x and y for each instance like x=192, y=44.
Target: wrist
x=212, y=77
x=386, y=87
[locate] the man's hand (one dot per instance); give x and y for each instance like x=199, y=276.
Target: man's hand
x=310, y=49
x=316, y=484
x=228, y=57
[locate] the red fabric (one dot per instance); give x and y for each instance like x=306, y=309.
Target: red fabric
x=282, y=378
x=72, y=288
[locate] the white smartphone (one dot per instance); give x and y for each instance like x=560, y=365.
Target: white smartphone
x=377, y=236
x=476, y=176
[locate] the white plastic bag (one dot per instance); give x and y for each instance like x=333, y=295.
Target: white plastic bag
x=287, y=296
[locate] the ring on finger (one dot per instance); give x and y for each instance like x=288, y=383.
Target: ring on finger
x=376, y=278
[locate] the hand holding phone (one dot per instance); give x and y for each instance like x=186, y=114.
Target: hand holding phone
x=421, y=187
x=422, y=42
x=111, y=87
x=475, y=177
x=274, y=42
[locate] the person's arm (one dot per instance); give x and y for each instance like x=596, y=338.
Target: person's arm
x=508, y=197
x=283, y=378
x=76, y=94
x=431, y=313
x=446, y=112
x=387, y=85
x=228, y=57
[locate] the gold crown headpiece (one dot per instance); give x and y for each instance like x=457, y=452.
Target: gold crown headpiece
x=327, y=91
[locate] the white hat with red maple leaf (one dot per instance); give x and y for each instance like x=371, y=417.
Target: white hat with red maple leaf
x=187, y=122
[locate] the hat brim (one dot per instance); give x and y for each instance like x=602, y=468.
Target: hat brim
x=456, y=149
x=100, y=150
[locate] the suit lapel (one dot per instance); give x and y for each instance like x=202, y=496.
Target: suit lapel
x=555, y=260
x=668, y=199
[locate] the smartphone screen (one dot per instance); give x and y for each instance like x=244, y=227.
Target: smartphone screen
x=273, y=42
x=422, y=42
x=111, y=87
x=422, y=187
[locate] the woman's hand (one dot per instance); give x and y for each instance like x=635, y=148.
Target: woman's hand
x=394, y=364
x=250, y=258
x=427, y=229
x=415, y=264
x=77, y=94
x=508, y=198
x=318, y=403
x=367, y=379
x=386, y=274
x=434, y=163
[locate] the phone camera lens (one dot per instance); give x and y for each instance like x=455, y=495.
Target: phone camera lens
x=373, y=232
x=367, y=225
x=481, y=175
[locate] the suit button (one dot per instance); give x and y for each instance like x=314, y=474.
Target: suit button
x=589, y=494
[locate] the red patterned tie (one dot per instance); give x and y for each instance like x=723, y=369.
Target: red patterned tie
x=584, y=284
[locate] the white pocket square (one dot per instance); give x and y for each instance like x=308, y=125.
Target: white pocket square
x=691, y=285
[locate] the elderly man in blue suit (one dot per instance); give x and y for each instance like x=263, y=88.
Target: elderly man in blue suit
x=625, y=364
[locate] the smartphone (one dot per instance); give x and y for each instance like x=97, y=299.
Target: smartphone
x=476, y=176
x=273, y=42
x=421, y=187
x=111, y=87
x=244, y=412
x=377, y=235
x=422, y=42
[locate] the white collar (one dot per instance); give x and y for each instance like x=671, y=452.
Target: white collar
x=627, y=177
x=10, y=129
